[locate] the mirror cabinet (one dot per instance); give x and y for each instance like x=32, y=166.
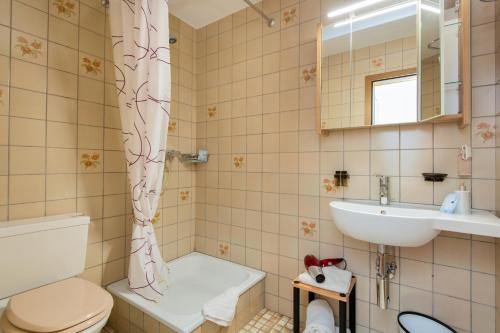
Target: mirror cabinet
x=386, y=62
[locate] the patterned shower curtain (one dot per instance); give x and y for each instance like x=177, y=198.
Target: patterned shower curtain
x=140, y=37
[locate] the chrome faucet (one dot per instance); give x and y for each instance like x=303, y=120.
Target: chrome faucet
x=383, y=189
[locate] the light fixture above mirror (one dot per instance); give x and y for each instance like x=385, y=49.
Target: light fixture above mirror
x=352, y=8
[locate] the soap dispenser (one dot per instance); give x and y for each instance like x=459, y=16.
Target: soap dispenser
x=464, y=202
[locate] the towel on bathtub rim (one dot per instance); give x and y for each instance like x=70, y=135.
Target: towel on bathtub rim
x=221, y=309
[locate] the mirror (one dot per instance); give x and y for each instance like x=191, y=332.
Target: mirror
x=381, y=63
x=430, y=70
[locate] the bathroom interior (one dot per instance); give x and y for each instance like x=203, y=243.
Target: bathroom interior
x=193, y=165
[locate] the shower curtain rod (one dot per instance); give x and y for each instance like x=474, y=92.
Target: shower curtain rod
x=270, y=21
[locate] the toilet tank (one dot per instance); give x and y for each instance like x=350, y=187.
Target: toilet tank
x=39, y=251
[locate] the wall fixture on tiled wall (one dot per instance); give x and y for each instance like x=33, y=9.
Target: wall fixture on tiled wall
x=60, y=141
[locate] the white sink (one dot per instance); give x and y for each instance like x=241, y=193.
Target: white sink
x=406, y=226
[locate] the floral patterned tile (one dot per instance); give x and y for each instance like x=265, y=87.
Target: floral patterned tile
x=308, y=75
x=90, y=160
x=289, y=16
x=92, y=67
x=65, y=9
x=29, y=48
x=268, y=321
x=483, y=132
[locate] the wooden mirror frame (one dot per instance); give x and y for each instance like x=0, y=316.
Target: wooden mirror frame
x=319, y=70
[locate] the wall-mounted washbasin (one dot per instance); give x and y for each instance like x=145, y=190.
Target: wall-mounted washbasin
x=406, y=225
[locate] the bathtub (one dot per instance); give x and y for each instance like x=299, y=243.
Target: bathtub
x=194, y=279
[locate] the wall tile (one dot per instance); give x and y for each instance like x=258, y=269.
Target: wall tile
x=452, y=310
x=29, y=76
x=27, y=104
x=63, y=32
x=19, y=127
x=28, y=19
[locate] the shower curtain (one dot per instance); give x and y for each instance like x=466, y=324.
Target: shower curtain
x=140, y=36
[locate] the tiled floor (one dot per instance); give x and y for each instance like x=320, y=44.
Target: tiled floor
x=269, y=322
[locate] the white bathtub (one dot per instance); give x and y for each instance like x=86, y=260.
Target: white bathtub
x=194, y=279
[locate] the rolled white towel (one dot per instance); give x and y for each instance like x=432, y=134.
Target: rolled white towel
x=319, y=317
x=336, y=279
x=221, y=309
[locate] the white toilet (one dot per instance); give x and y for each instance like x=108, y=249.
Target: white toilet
x=39, y=259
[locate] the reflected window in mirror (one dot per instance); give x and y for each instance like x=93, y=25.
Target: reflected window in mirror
x=393, y=100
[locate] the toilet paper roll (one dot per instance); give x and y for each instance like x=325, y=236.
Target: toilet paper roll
x=319, y=317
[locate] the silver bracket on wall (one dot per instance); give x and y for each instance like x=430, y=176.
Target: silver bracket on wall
x=200, y=158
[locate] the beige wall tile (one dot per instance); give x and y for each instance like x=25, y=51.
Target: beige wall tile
x=415, y=190
x=4, y=190
x=90, y=137
x=4, y=133
x=4, y=100
x=62, y=84
x=62, y=58
x=483, y=318
x=90, y=184
x=483, y=70
x=61, y=109
x=4, y=160
x=452, y=281
x=5, y=12
x=27, y=104
x=29, y=76
x=61, y=186
x=19, y=129
x=26, y=210
x=27, y=160
x=4, y=70
x=416, y=137
x=61, y=135
x=28, y=19
x=452, y=252
x=485, y=197
x=92, y=19
x=483, y=288
x=26, y=189
x=91, y=90
x=92, y=43
x=483, y=256
x=416, y=162
x=416, y=274
x=63, y=32
x=61, y=160
x=452, y=310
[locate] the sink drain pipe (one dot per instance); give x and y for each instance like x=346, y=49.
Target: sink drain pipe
x=386, y=268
